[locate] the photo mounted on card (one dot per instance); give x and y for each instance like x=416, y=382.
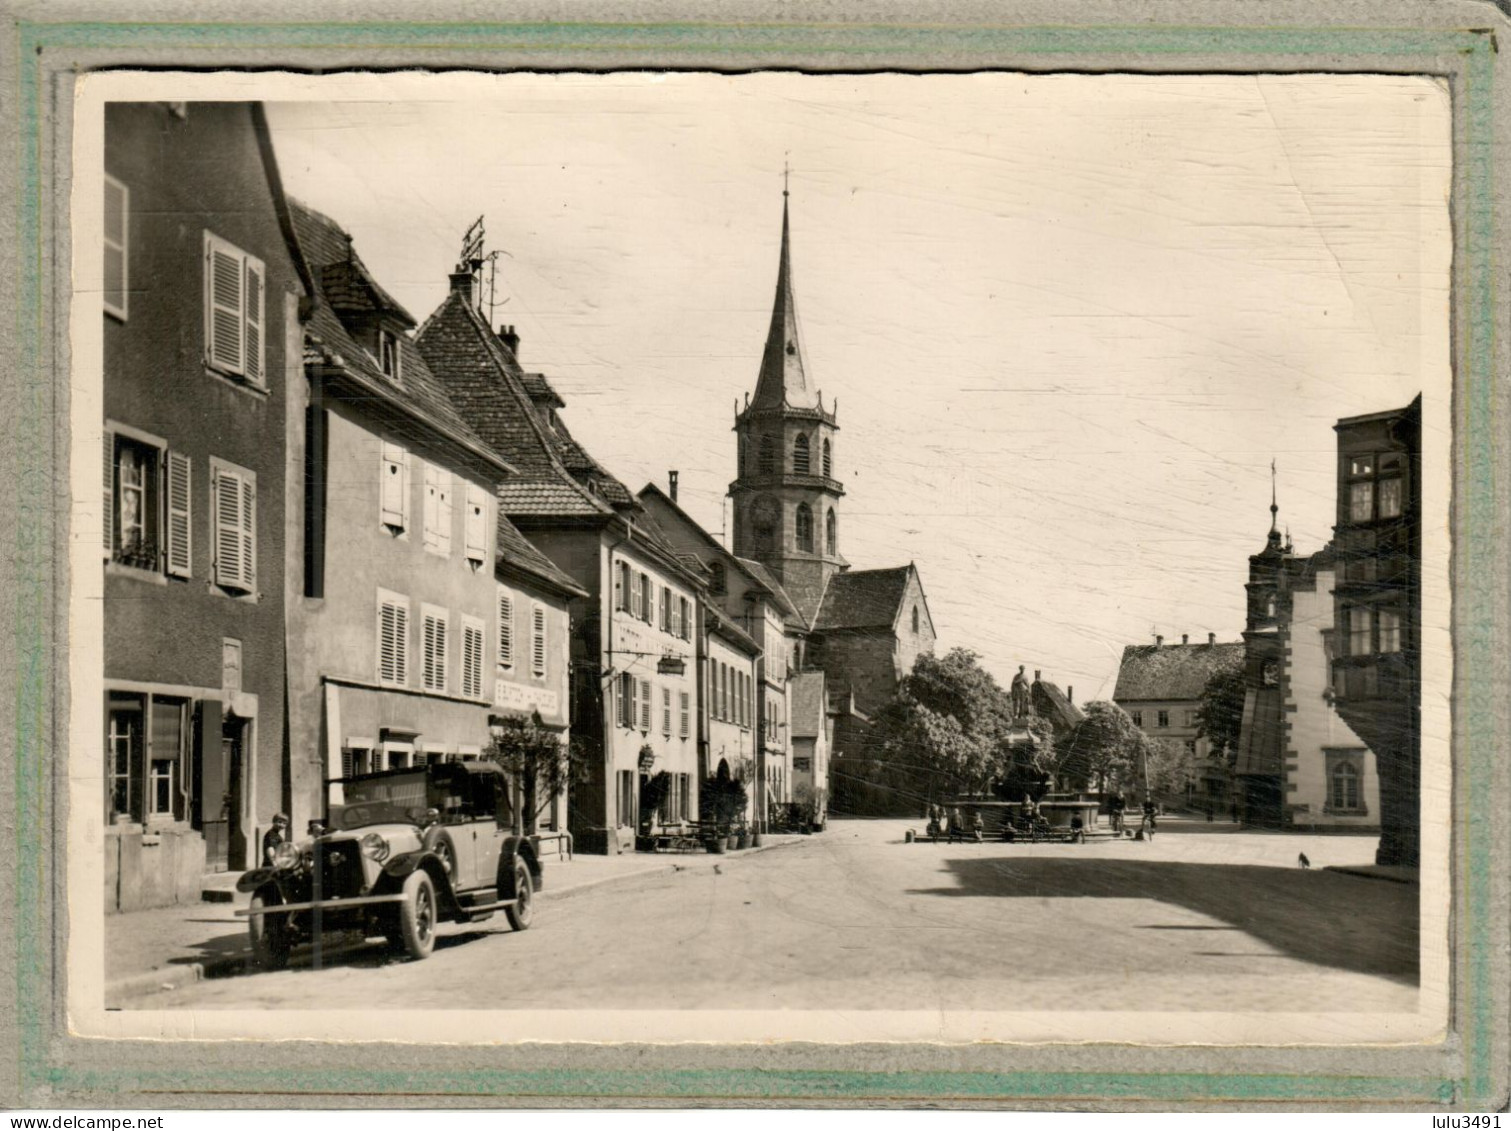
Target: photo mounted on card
x=676, y=556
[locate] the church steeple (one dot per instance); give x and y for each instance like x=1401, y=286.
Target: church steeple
x=784, y=376
x=785, y=492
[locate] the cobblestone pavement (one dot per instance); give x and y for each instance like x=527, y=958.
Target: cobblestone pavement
x=1204, y=918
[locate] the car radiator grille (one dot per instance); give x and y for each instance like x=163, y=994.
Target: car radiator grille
x=340, y=869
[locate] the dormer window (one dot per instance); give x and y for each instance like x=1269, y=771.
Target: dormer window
x=388, y=354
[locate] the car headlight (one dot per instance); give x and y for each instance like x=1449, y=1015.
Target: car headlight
x=375, y=848
x=286, y=855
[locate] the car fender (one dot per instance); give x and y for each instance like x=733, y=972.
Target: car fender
x=522, y=848
x=251, y=881
x=399, y=868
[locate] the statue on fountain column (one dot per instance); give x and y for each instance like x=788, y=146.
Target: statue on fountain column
x=1022, y=704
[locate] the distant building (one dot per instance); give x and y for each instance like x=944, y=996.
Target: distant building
x=1377, y=671
x=1160, y=686
x=200, y=296
x=812, y=740
x=1259, y=767
x=863, y=628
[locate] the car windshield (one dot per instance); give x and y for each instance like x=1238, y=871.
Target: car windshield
x=374, y=801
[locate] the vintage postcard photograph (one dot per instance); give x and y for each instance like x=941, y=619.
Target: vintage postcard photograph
x=690, y=557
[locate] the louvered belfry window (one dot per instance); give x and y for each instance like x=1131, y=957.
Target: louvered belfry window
x=800, y=456
x=234, y=310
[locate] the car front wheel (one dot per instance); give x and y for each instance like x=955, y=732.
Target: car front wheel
x=269, y=933
x=417, y=916
x=522, y=910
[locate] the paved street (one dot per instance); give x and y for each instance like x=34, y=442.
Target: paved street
x=1204, y=918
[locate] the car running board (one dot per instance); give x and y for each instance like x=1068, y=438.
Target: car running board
x=473, y=909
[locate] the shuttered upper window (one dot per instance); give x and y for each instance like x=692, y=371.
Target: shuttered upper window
x=393, y=638
x=476, y=524
x=147, y=513
x=472, y=658
x=234, y=310
x=433, y=645
x=233, y=492
x=505, y=630
x=686, y=720
x=645, y=704
x=393, y=488
x=117, y=247
x=438, y=488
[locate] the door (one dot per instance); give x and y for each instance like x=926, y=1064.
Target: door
x=220, y=796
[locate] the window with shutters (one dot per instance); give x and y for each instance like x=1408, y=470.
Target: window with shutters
x=147, y=754
x=393, y=491
x=438, y=488
x=505, y=629
x=233, y=492
x=666, y=711
x=234, y=311
x=637, y=594
x=476, y=525
x=647, y=599
x=433, y=647
x=685, y=618
x=666, y=609
x=538, y=641
x=685, y=717
x=117, y=247
x=146, y=507
x=645, y=704
x=622, y=586
x=393, y=638
x=472, y=658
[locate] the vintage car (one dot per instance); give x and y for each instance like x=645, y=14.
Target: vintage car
x=403, y=851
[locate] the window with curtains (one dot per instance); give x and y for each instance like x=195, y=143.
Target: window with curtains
x=147, y=507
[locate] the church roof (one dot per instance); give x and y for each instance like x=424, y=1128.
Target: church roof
x=863, y=599
x=1171, y=671
x=784, y=375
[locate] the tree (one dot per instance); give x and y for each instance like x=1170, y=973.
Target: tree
x=1105, y=747
x=1172, y=767
x=537, y=759
x=945, y=731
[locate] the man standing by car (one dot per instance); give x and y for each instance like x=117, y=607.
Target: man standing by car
x=275, y=837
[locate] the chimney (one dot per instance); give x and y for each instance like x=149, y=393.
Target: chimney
x=1185, y=638
x=671, y=480
x=511, y=339
x=1070, y=696
x=1037, y=674
x=1158, y=641
x=465, y=282
x=1211, y=638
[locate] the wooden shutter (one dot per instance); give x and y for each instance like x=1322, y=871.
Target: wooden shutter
x=682, y=730
x=179, y=531
x=107, y=514
x=431, y=517
x=249, y=532
x=538, y=640
x=254, y=321
x=393, y=640
x=666, y=711
x=229, y=544
x=505, y=630
x=225, y=321
x=434, y=658
x=394, y=488
x=476, y=524
x=117, y=258
x=645, y=704
x=443, y=511
x=618, y=571
x=627, y=700
x=472, y=660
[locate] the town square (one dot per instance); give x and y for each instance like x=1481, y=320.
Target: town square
x=785, y=547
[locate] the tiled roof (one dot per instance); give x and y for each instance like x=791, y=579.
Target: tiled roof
x=728, y=629
x=417, y=393
x=1172, y=671
x=344, y=279
x=1050, y=703
x=515, y=550
x=810, y=704
x=539, y=389
x=483, y=379
x=860, y=599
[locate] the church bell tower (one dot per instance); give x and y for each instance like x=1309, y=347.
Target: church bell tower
x=785, y=496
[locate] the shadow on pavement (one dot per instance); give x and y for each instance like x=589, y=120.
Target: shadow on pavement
x=1321, y=917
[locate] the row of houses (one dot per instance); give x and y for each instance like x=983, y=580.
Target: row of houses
x=1329, y=662
x=340, y=539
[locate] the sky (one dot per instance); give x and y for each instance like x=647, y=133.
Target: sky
x=1068, y=320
